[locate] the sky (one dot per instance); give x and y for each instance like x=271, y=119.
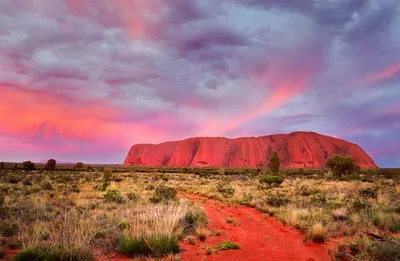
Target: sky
x=84, y=80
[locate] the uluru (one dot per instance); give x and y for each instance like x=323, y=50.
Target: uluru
x=296, y=150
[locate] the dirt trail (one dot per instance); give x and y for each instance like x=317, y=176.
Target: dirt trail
x=260, y=238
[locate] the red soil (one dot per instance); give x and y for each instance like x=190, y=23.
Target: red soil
x=260, y=237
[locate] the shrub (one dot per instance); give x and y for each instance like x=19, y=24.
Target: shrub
x=134, y=197
x=369, y=193
x=161, y=245
x=226, y=190
x=50, y=165
x=163, y=193
x=271, y=180
x=317, y=233
x=274, y=163
x=27, y=182
x=9, y=230
x=227, y=245
x=78, y=165
x=46, y=185
x=202, y=233
x=113, y=196
x=106, y=179
x=195, y=218
x=357, y=205
x=341, y=164
x=276, y=198
x=36, y=254
x=28, y=165
x=2, y=165
x=1, y=200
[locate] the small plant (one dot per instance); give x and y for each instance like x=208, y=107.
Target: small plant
x=230, y=220
x=202, y=233
x=227, y=245
x=276, y=198
x=317, y=233
x=160, y=245
x=2, y=165
x=78, y=165
x=9, y=229
x=369, y=193
x=357, y=205
x=226, y=190
x=271, y=180
x=50, y=165
x=133, y=197
x=27, y=182
x=113, y=196
x=28, y=165
x=46, y=185
x=124, y=225
x=163, y=193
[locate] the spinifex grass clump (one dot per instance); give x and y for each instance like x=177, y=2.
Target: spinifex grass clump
x=163, y=194
x=68, y=236
x=154, y=229
x=227, y=245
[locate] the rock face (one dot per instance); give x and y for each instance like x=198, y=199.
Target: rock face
x=296, y=150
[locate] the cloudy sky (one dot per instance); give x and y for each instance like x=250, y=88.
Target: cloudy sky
x=86, y=79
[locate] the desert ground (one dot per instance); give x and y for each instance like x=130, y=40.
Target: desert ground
x=135, y=213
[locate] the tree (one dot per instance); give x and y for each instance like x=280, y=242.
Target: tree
x=50, y=165
x=28, y=165
x=341, y=164
x=274, y=163
x=79, y=165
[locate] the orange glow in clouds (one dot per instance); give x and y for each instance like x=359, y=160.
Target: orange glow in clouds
x=30, y=113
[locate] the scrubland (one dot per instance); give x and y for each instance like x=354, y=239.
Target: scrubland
x=96, y=212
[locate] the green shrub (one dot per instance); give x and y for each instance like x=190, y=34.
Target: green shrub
x=134, y=197
x=271, y=180
x=341, y=164
x=163, y=193
x=226, y=190
x=50, y=165
x=36, y=254
x=227, y=245
x=78, y=165
x=2, y=165
x=46, y=185
x=113, y=196
x=27, y=182
x=9, y=229
x=28, y=165
x=276, y=198
x=195, y=218
x=358, y=205
x=369, y=193
x=160, y=245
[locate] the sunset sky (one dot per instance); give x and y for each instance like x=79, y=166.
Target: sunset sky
x=84, y=80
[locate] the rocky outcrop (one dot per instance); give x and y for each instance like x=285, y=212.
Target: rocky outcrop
x=296, y=150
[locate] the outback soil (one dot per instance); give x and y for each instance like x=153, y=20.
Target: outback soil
x=259, y=237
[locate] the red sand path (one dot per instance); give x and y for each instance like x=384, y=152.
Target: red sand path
x=260, y=237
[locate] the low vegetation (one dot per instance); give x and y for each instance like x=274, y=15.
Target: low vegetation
x=67, y=212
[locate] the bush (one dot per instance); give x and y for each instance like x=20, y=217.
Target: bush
x=271, y=180
x=163, y=193
x=369, y=193
x=226, y=190
x=274, y=163
x=341, y=164
x=276, y=198
x=195, y=218
x=2, y=252
x=133, y=196
x=28, y=165
x=78, y=165
x=113, y=195
x=358, y=205
x=2, y=165
x=9, y=230
x=50, y=165
x=317, y=233
x=227, y=245
x=1, y=200
x=160, y=245
x=46, y=185
x=36, y=254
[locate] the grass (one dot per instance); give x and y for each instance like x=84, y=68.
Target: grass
x=57, y=203
x=202, y=233
x=227, y=245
